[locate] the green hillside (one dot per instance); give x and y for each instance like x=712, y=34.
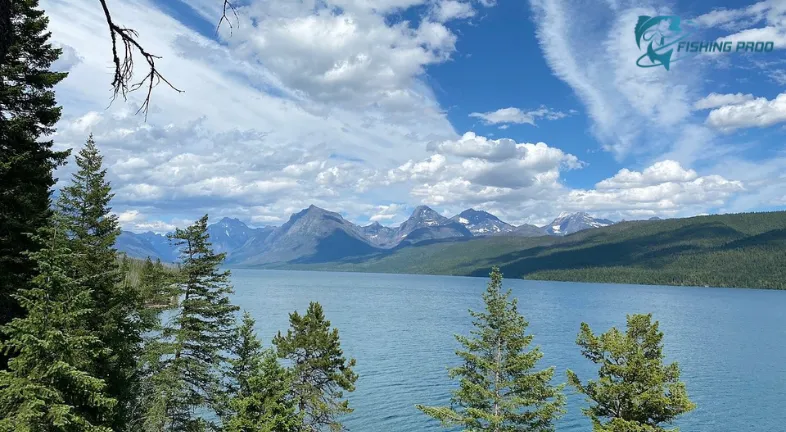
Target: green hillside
x=737, y=250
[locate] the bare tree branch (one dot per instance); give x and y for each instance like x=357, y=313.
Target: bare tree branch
x=127, y=40
x=124, y=69
x=228, y=4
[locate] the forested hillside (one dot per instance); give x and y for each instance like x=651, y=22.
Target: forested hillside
x=735, y=250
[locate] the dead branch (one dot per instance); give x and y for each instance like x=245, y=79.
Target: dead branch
x=124, y=65
x=224, y=18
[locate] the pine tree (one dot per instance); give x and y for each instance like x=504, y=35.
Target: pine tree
x=259, y=388
x=635, y=391
x=156, y=290
x=187, y=370
x=28, y=112
x=48, y=385
x=499, y=390
x=93, y=230
x=321, y=373
x=247, y=355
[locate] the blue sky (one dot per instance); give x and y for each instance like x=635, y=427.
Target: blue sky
x=372, y=107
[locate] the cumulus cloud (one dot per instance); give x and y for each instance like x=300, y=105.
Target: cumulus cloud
x=350, y=56
x=471, y=145
x=759, y=112
x=447, y=10
x=661, y=172
x=68, y=59
x=714, y=100
x=516, y=115
x=387, y=213
x=263, y=114
x=665, y=188
x=475, y=169
x=266, y=112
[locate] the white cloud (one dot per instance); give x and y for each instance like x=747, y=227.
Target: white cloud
x=475, y=170
x=734, y=19
x=128, y=216
x=314, y=106
x=387, y=213
x=775, y=34
x=471, y=145
x=516, y=115
x=352, y=57
x=661, y=172
x=714, y=100
x=412, y=170
x=595, y=53
x=261, y=117
x=778, y=76
x=758, y=112
x=446, y=10
x=665, y=188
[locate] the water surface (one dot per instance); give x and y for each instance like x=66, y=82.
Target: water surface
x=730, y=343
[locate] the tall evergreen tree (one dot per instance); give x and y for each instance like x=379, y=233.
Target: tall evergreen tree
x=93, y=230
x=260, y=399
x=321, y=373
x=499, y=390
x=635, y=391
x=186, y=375
x=247, y=356
x=28, y=112
x=48, y=385
x=157, y=291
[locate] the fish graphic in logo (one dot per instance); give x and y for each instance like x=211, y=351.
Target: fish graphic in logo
x=661, y=32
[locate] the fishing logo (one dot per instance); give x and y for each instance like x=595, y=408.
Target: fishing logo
x=665, y=39
x=662, y=32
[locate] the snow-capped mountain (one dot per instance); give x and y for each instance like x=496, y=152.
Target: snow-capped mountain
x=230, y=234
x=481, y=223
x=318, y=235
x=569, y=223
x=379, y=235
x=427, y=224
x=422, y=217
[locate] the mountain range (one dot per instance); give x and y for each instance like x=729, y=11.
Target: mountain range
x=316, y=235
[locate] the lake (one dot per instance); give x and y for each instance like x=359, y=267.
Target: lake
x=730, y=343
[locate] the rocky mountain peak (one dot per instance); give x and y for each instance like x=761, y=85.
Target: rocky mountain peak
x=569, y=223
x=482, y=223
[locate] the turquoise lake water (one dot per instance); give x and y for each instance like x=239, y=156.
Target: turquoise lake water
x=730, y=343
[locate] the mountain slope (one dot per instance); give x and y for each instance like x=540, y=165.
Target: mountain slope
x=481, y=223
x=569, y=223
x=149, y=244
x=427, y=224
x=311, y=235
x=227, y=235
x=738, y=250
x=528, y=231
x=379, y=235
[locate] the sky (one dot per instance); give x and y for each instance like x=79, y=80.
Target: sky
x=523, y=108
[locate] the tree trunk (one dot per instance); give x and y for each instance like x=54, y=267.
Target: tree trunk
x=496, y=382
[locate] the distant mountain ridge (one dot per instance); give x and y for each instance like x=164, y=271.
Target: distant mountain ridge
x=316, y=235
